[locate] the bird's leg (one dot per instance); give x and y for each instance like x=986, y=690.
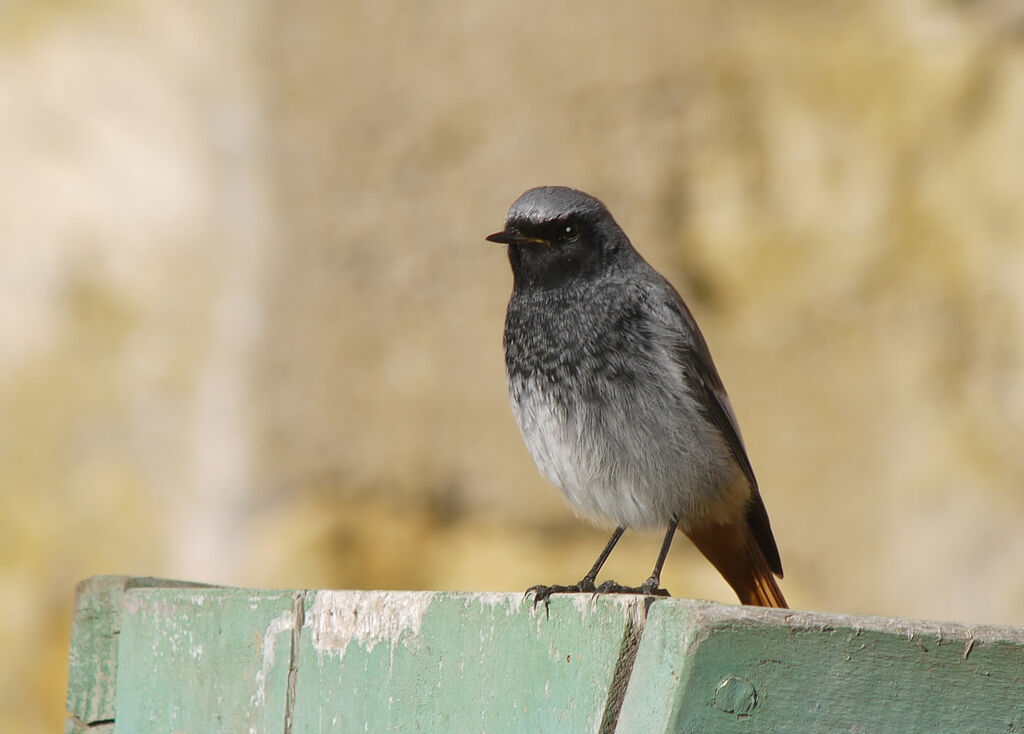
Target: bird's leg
x=586, y=584
x=650, y=587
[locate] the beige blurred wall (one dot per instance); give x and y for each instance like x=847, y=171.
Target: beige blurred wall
x=250, y=331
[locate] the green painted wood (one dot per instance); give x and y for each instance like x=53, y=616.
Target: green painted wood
x=233, y=660
x=708, y=667
x=211, y=660
x=422, y=662
x=92, y=663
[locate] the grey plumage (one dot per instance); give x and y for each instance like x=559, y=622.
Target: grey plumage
x=612, y=383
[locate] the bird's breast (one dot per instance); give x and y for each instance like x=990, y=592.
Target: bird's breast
x=608, y=417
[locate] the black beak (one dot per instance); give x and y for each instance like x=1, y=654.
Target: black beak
x=512, y=236
x=505, y=237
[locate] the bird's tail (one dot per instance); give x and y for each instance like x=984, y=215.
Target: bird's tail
x=737, y=555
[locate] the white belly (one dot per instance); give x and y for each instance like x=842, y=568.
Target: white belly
x=636, y=463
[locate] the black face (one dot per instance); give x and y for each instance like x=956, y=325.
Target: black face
x=550, y=253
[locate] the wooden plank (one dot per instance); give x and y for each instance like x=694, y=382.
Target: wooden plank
x=404, y=661
x=92, y=663
x=213, y=659
x=198, y=661
x=714, y=668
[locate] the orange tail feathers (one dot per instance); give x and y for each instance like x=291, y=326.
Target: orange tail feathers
x=737, y=555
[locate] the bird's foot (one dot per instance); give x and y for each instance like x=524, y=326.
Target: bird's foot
x=647, y=588
x=543, y=593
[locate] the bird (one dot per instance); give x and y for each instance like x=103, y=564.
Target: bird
x=618, y=400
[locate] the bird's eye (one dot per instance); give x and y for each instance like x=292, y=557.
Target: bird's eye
x=570, y=231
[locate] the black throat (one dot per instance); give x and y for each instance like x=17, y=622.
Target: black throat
x=549, y=267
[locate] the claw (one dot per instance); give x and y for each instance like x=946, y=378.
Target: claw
x=542, y=592
x=649, y=588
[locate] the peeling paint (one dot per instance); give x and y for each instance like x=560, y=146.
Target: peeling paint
x=512, y=604
x=586, y=603
x=280, y=623
x=367, y=617
x=583, y=603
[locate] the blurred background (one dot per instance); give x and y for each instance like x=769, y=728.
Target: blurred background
x=250, y=332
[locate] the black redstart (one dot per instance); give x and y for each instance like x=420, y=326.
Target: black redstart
x=614, y=390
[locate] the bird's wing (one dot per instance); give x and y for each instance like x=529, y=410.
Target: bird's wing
x=694, y=359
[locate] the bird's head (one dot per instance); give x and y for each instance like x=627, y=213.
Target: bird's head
x=556, y=234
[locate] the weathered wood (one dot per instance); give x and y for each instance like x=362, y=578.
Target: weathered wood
x=204, y=660
x=715, y=668
x=461, y=662
x=93, y=660
x=201, y=660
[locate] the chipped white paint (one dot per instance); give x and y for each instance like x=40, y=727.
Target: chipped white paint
x=706, y=612
x=583, y=603
x=512, y=603
x=281, y=623
x=366, y=617
x=631, y=604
